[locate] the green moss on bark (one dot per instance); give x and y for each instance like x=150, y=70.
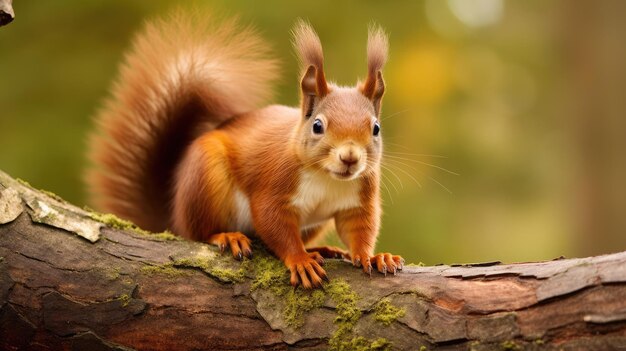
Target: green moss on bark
x=271, y=274
x=362, y=344
x=115, y=222
x=113, y=273
x=418, y=264
x=348, y=315
x=298, y=302
x=166, y=236
x=124, y=299
x=209, y=266
x=386, y=313
x=509, y=345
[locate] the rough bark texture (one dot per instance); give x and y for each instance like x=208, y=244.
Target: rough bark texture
x=68, y=281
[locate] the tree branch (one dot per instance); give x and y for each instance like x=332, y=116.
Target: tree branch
x=70, y=281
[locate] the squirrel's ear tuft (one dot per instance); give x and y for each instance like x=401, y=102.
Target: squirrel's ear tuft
x=309, y=50
x=377, y=47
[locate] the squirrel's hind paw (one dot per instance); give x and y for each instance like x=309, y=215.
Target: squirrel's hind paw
x=330, y=252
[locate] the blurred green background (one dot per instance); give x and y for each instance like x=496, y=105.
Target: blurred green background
x=525, y=100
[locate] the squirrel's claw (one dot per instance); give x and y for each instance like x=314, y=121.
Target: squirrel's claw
x=239, y=244
x=325, y=277
x=306, y=270
x=364, y=262
x=317, y=257
x=400, y=261
x=384, y=262
x=248, y=253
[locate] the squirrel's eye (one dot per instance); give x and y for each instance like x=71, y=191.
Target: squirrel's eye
x=318, y=127
x=376, y=129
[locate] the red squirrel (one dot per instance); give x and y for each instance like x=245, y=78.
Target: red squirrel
x=182, y=144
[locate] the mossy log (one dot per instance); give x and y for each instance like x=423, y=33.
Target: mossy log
x=73, y=279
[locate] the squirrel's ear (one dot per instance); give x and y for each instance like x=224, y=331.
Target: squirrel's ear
x=313, y=85
x=374, y=89
x=374, y=86
x=309, y=49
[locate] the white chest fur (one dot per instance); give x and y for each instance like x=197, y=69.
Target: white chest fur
x=319, y=197
x=242, y=220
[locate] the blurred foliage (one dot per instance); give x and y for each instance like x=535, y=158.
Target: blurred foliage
x=482, y=88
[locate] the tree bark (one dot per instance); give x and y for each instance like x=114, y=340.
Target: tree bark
x=69, y=281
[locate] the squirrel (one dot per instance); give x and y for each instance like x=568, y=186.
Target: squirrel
x=182, y=144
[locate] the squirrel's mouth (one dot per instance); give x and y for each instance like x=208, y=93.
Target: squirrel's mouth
x=345, y=175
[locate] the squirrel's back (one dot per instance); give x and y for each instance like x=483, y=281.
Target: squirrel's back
x=182, y=77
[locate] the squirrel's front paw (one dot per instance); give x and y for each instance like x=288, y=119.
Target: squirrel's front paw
x=306, y=270
x=239, y=244
x=384, y=262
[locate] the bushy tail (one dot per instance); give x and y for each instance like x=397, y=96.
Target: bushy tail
x=183, y=76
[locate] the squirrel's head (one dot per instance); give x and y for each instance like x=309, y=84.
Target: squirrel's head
x=340, y=131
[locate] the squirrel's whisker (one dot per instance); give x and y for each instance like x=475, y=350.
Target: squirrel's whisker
x=394, y=174
x=405, y=172
x=421, y=162
x=412, y=154
x=422, y=173
x=389, y=180
x=388, y=192
x=384, y=118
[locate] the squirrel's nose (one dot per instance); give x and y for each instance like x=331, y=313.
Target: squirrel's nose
x=349, y=160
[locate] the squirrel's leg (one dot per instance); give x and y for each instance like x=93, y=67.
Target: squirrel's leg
x=203, y=200
x=277, y=224
x=312, y=234
x=358, y=228
x=330, y=252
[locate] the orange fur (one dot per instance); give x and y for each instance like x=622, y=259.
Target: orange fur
x=182, y=145
x=172, y=86
x=374, y=85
